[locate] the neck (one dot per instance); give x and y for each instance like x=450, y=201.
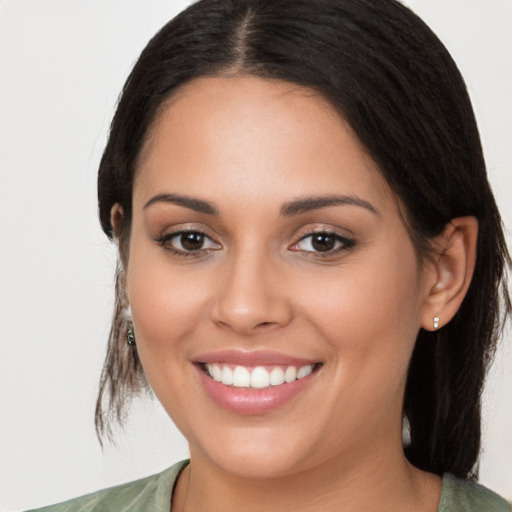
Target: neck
x=378, y=481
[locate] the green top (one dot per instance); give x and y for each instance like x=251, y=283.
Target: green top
x=153, y=494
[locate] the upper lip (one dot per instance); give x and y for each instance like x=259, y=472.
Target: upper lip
x=252, y=358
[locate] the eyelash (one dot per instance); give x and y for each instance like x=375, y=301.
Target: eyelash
x=342, y=242
x=165, y=242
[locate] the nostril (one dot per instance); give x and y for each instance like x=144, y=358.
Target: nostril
x=250, y=313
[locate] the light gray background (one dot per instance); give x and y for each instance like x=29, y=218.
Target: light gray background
x=62, y=65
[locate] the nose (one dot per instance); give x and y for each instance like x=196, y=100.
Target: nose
x=251, y=297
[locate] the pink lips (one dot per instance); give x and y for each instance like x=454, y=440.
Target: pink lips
x=249, y=401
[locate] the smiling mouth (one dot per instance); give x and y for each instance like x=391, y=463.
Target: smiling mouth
x=258, y=377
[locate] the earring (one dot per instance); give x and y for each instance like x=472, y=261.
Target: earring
x=130, y=336
x=436, y=322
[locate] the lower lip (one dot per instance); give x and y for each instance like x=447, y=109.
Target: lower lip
x=251, y=401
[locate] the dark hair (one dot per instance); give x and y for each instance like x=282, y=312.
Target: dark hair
x=394, y=82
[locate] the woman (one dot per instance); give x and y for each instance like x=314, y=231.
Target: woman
x=311, y=258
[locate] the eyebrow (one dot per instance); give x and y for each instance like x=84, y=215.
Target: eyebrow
x=298, y=206
x=192, y=203
x=307, y=204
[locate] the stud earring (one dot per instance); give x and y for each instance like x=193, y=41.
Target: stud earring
x=436, y=322
x=130, y=336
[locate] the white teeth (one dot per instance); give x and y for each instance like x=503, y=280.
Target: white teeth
x=304, y=371
x=276, y=376
x=216, y=372
x=259, y=378
x=290, y=374
x=241, y=377
x=227, y=376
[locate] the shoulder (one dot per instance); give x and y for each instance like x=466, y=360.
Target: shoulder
x=462, y=496
x=150, y=493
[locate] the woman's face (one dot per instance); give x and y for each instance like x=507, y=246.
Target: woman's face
x=265, y=242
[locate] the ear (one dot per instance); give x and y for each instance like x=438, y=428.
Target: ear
x=116, y=219
x=452, y=269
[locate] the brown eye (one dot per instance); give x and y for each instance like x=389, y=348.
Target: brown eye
x=192, y=241
x=323, y=242
x=187, y=242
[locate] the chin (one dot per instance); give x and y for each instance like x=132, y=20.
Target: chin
x=257, y=464
x=261, y=455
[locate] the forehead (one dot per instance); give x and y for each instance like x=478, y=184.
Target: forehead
x=253, y=138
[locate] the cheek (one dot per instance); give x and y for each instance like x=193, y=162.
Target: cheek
x=167, y=306
x=167, y=303
x=370, y=317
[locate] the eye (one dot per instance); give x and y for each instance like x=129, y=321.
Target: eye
x=322, y=242
x=185, y=242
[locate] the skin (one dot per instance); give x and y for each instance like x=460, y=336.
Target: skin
x=250, y=146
